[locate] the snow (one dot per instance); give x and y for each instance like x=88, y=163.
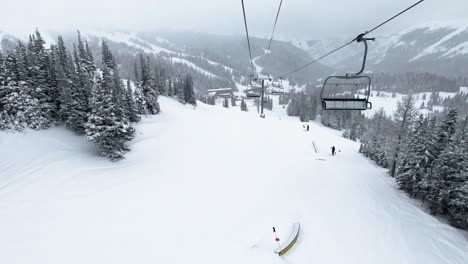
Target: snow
x=258, y=68
x=389, y=103
x=226, y=68
x=207, y=185
x=193, y=66
x=460, y=49
x=438, y=47
x=464, y=90
x=129, y=39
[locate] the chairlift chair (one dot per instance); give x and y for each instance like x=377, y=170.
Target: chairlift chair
x=277, y=88
x=332, y=95
x=334, y=100
x=253, y=93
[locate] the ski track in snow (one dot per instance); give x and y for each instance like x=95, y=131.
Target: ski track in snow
x=206, y=186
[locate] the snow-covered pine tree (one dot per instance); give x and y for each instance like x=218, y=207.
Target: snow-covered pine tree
x=189, y=92
x=138, y=95
x=170, y=89
x=233, y=101
x=37, y=81
x=446, y=172
x=304, y=109
x=404, y=117
x=457, y=208
x=244, y=105
x=85, y=56
x=78, y=101
x=54, y=92
x=131, y=106
x=180, y=91
x=104, y=128
x=436, y=145
x=148, y=86
x=412, y=164
x=226, y=102
x=160, y=80
x=5, y=120
x=140, y=102
x=458, y=204
x=375, y=141
x=346, y=133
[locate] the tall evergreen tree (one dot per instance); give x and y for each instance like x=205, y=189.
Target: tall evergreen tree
x=404, y=117
x=148, y=87
x=130, y=103
x=189, y=93
x=437, y=144
x=243, y=105
x=104, y=128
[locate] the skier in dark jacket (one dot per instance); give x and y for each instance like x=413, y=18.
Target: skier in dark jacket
x=333, y=150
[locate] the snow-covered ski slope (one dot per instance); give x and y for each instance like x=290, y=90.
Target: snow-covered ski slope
x=206, y=186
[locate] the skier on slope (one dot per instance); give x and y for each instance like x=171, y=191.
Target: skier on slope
x=333, y=150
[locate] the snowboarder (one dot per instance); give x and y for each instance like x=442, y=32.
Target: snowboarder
x=333, y=150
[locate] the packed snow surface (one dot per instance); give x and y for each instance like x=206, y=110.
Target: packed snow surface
x=193, y=66
x=207, y=185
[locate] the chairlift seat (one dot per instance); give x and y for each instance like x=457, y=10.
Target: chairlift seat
x=345, y=104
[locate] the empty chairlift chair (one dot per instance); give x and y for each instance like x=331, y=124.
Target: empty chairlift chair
x=253, y=93
x=348, y=92
x=254, y=90
x=276, y=88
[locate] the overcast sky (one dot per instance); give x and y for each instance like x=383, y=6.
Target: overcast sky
x=304, y=19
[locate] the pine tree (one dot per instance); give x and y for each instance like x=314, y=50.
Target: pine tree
x=21, y=108
x=78, y=104
x=412, y=163
x=243, y=105
x=37, y=81
x=54, y=92
x=5, y=120
x=130, y=103
x=446, y=169
x=104, y=128
x=458, y=205
x=180, y=91
x=170, y=89
x=438, y=143
x=85, y=57
x=160, y=79
x=233, y=101
x=189, y=93
x=148, y=87
x=404, y=117
x=140, y=102
x=226, y=102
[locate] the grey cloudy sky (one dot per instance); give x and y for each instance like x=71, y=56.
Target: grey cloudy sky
x=306, y=19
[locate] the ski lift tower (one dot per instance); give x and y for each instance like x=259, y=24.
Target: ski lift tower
x=263, y=78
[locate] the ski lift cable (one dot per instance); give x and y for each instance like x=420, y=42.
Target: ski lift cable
x=248, y=39
x=274, y=25
x=356, y=38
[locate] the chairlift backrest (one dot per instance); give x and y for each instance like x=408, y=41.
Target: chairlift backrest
x=339, y=93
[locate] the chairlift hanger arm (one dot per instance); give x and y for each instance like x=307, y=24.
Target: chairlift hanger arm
x=361, y=38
